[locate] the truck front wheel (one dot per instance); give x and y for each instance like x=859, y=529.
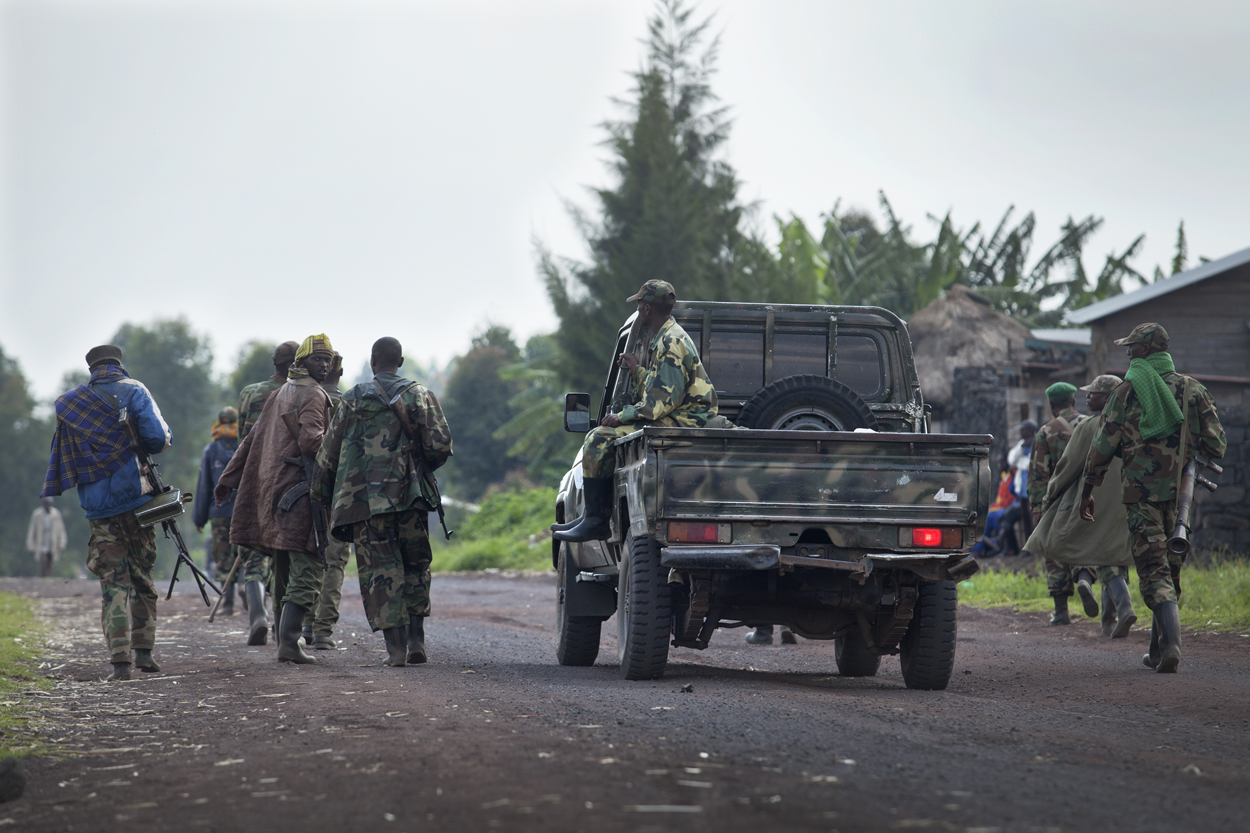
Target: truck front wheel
x=853, y=656
x=644, y=613
x=927, y=651
x=578, y=640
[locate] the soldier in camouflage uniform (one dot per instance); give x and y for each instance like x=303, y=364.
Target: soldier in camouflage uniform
x=1155, y=422
x=255, y=565
x=369, y=477
x=1048, y=445
x=673, y=390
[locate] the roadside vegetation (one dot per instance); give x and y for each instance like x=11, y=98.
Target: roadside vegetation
x=1215, y=594
x=18, y=664
x=509, y=531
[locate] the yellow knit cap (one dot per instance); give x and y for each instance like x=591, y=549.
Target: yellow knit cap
x=314, y=344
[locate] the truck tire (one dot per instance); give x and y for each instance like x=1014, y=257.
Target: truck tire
x=807, y=403
x=927, y=651
x=577, y=641
x=644, y=613
x=853, y=657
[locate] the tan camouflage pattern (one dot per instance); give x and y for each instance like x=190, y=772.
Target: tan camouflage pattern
x=223, y=551
x=671, y=382
x=1105, y=383
x=252, y=401
x=1158, y=570
x=254, y=567
x=1061, y=578
x=1152, y=334
x=653, y=291
x=294, y=577
x=1048, y=445
x=121, y=554
x=1105, y=574
x=325, y=614
x=393, y=559
x=363, y=463
x=1152, y=467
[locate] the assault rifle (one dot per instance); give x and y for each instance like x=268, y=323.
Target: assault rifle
x=166, y=505
x=1178, y=544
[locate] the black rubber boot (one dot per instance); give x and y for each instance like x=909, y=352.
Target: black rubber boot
x=290, y=622
x=788, y=637
x=594, y=524
x=1085, y=589
x=227, y=604
x=258, y=625
x=144, y=661
x=324, y=643
x=1151, y=658
x=763, y=635
x=1168, y=615
x=1108, y=612
x=416, y=640
x=396, y=640
x=306, y=632
x=121, y=672
x=1060, y=616
x=1126, y=617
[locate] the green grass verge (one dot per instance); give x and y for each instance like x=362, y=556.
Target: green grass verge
x=510, y=532
x=18, y=672
x=1215, y=597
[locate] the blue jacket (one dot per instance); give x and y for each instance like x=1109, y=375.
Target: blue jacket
x=123, y=491
x=212, y=464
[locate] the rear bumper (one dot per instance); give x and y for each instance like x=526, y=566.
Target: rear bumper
x=770, y=557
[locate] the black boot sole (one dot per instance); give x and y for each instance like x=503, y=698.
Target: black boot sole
x=1123, y=626
x=1087, y=599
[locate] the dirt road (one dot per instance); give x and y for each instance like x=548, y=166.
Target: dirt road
x=1041, y=729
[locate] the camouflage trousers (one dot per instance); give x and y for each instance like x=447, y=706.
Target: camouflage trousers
x=255, y=566
x=599, y=458
x=393, y=558
x=295, y=577
x=1061, y=579
x=1158, y=571
x=121, y=554
x=223, y=551
x=325, y=615
x=1105, y=574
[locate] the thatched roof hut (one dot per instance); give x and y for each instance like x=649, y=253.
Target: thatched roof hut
x=960, y=329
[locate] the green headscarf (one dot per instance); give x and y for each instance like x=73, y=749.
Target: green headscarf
x=1160, y=415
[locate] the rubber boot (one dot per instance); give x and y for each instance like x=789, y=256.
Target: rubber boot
x=1108, y=612
x=306, y=632
x=763, y=635
x=289, y=624
x=227, y=604
x=788, y=637
x=1085, y=589
x=121, y=672
x=1151, y=658
x=144, y=661
x=1168, y=615
x=396, y=640
x=1060, y=616
x=1126, y=617
x=258, y=626
x=594, y=524
x=416, y=640
x=242, y=594
x=324, y=643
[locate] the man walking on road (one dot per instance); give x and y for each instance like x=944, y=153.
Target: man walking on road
x=383, y=434
x=1048, y=445
x=92, y=451
x=213, y=462
x=271, y=471
x=1154, y=422
x=45, y=537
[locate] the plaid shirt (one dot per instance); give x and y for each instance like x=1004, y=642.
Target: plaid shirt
x=90, y=443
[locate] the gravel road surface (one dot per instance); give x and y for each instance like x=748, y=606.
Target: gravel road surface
x=1042, y=729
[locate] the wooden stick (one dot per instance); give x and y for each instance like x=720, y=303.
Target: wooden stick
x=225, y=587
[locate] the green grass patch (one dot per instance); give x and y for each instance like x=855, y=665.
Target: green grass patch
x=509, y=531
x=18, y=672
x=1215, y=596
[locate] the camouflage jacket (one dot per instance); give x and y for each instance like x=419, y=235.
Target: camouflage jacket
x=363, y=464
x=1052, y=438
x=672, y=382
x=1152, y=467
x=252, y=401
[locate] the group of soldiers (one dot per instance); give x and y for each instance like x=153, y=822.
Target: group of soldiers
x=297, y=475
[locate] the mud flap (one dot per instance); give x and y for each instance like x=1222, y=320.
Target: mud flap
x=587, y=598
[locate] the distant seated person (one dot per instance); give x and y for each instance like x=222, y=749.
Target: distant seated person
x=1018, y=459
x=672, y=389
x=989, y=545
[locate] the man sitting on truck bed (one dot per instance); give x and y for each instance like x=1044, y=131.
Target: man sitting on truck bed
x=673, y=390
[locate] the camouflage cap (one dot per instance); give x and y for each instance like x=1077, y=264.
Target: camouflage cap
x=284, y=353
x=653, y=291
x=1060, y=391
x=1152, y=334
x=109, y=353
x=228, y=414
x=1103, y=384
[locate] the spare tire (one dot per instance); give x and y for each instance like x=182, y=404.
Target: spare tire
x=807, y=403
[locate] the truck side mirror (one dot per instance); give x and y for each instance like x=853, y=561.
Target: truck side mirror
x=577, y=413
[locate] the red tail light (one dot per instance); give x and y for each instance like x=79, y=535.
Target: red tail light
x=699, y=533
x=926, y=537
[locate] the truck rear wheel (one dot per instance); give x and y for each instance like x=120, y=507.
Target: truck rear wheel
x=853, y=656
x=644, y=612
x=577, y=642
x=807, y=403
x=927, y=651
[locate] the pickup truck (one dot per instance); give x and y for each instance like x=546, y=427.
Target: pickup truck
x=834, y=512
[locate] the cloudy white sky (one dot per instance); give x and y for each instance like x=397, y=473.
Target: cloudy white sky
x=270, y=169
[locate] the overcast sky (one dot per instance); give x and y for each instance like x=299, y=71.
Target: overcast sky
x=272, y=169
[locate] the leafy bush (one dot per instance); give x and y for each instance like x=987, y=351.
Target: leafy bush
x=509, y=531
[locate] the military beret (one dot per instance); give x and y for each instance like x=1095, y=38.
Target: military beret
x=284, y=353
x=228, y=414
x=105, y=353
x=653, y=291
x=1060, y=391
x=1103, y=384
x=1152, y=334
